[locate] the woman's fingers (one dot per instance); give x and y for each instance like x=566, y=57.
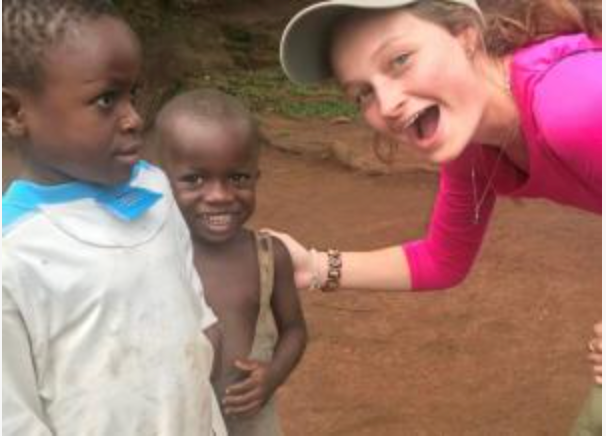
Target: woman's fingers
x=301, y=259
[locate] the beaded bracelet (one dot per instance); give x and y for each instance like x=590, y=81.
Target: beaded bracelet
x=316, y=281
x=333, y=278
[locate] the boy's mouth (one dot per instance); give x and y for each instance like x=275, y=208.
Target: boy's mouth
x=219, y=222
x=131, y=148
x=129, y=154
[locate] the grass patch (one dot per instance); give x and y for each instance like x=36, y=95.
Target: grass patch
x=268, y=91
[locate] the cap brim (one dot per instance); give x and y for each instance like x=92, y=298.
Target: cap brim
x=305, y=44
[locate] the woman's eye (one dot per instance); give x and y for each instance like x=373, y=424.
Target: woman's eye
x=106, y=101
x=362, y=96
x=134, y=93
x=399, y=61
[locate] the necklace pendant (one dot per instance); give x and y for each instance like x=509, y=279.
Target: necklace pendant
x=476, y=216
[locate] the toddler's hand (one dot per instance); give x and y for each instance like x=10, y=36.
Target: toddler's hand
x=595, y=353
x=248, y=396
x=302, y=261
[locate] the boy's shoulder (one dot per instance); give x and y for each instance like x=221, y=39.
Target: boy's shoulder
x=150, y=176
x=79, y=212
x=280, y=253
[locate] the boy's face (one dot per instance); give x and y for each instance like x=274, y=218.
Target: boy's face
x=82, y=125
x=213, y=169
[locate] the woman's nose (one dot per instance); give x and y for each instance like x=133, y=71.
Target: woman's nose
x=390, y=99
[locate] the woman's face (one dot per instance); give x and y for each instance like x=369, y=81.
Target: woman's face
x=413, y=80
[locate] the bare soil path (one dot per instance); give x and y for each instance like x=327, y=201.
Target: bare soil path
x=501, y=355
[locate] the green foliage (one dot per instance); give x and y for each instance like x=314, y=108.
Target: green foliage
x=186, y=48
x=268, y=91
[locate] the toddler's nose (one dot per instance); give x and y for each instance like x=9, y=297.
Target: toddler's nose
x=218, y=191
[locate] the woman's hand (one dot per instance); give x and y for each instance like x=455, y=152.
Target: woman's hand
x=595, y=353
x=302, y=260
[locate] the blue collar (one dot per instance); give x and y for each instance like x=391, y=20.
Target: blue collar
x=124, y=201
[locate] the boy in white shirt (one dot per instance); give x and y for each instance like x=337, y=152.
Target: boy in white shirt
x=102, y=310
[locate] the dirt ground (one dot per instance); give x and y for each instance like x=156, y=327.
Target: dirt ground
x=501, y=355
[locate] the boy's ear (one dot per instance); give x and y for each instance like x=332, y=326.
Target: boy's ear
x=13, y=117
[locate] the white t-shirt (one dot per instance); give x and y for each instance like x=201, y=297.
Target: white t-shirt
x=102, y=323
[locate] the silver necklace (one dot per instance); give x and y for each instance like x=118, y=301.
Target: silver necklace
x=479, y=201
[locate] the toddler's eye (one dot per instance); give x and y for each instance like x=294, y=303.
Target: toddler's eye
x=241, y=180
x=193, y=179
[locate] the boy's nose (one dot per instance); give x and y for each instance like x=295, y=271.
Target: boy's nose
x=131, y=121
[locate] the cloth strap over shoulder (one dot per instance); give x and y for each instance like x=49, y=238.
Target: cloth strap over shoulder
x=266, y=334
x=265, y=255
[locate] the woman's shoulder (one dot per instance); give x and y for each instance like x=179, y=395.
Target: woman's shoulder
x=566, y=56
x=558, y=86
x=543, y=55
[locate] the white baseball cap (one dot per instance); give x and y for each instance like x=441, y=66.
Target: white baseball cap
x=305, y=45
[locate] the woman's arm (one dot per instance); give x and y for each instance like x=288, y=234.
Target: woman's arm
x=385, y=269
x=440, y=260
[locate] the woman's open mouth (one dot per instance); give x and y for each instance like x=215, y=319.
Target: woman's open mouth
x=423, y=125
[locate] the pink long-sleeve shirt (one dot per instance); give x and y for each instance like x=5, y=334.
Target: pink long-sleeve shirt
x=557, y=85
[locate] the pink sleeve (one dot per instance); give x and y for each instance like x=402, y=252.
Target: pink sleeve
x=568, y=112
x=443, y=259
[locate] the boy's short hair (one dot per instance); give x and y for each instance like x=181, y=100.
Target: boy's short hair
x=30, y=27
x=208, y=104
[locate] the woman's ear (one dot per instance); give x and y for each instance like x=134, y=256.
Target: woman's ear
x=13, y=117
x=469, y=38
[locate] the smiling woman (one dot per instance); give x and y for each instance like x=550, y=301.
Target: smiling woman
x=475, y=88
x=411, y=83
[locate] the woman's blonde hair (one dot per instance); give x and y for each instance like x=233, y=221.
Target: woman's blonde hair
x=511, y=24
